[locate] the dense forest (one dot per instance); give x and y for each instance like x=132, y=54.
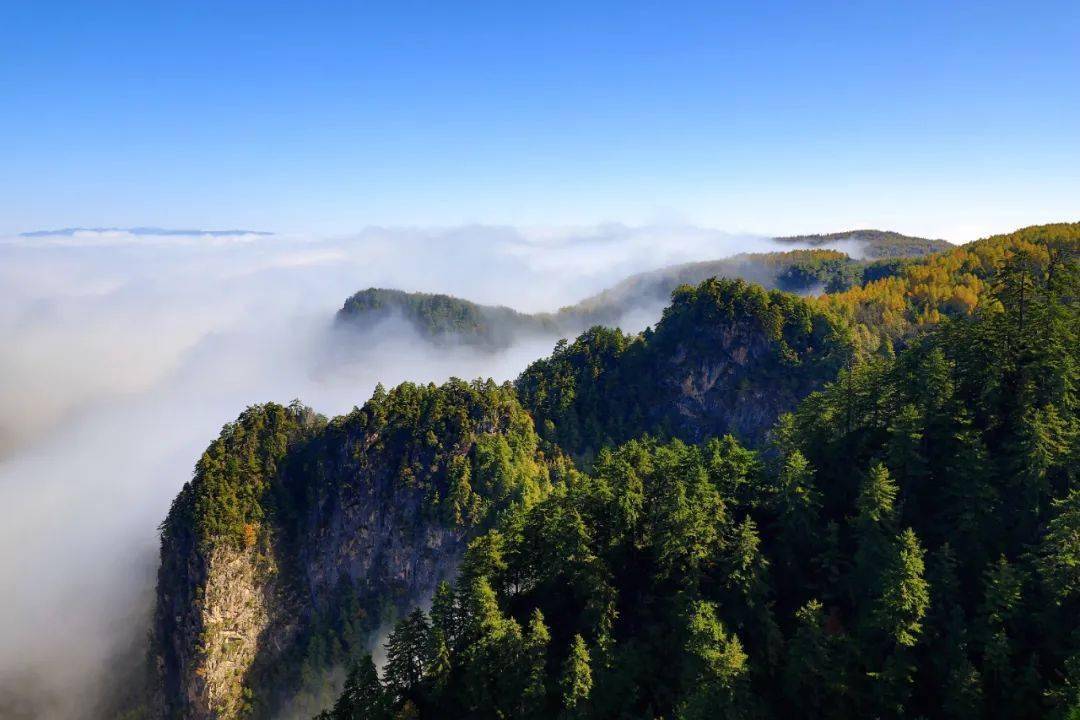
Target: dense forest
x=905, y=544
x=861, y=504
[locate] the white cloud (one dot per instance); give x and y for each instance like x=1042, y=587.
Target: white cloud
x=123, y=357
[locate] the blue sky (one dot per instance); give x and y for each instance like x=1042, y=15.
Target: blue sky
x=949, y=119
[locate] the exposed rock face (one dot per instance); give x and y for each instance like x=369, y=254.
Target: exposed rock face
x=726, y=357
x=236, y=609
x=351, y=522
x=740, y=368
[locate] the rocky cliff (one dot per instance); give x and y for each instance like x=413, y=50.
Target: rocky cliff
x=726, y=357
x=297, y=538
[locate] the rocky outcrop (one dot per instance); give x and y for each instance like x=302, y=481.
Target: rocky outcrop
x=297, y=539
x=731, y=358
x=727, y=357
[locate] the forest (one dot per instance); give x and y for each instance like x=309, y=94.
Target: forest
x=857, y=504
x=904, y=543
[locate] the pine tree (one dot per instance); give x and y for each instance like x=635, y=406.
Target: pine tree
x=1059, y=554
x=905, y=594
x=576, y=680
x=537, y=639
x=717, y=666
x=445, y=613
x=746, y=573
x=408, y=655
x=798, y=507
x=877, y=498
x=809, y=669
x=364, y=697
x=874, y=526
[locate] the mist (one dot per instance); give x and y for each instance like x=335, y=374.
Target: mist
x=125, y=353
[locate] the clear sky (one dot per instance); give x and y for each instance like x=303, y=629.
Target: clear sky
x=951, y=119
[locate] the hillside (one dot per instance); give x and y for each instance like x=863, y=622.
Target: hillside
x=905, y=546
x=863, y=504
x=443, y=319
x=952, y=284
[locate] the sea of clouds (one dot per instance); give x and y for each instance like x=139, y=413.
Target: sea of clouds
x=124, y=353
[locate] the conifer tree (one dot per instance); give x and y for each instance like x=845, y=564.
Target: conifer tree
x=576, y=681
x=537, y=639
x=364, y=697
x=408, y=655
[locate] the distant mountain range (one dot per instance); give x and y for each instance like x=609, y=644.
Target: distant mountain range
x=873, y=243
x=150, y=231
x=868, y=255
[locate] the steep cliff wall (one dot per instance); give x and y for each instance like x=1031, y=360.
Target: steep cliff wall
x=297, y=538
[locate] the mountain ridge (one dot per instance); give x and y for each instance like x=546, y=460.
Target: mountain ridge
x=904, y=390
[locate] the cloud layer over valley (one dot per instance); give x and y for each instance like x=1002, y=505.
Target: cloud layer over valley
x=125, y=353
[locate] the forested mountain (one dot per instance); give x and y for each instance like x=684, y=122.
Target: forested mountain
x=726, y=357
x=907, y=544
x=444, y=319
x=874, y=243
x=944, y=285
x=859, y=505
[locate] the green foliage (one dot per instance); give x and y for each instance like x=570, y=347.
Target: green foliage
x=904, y=546
x=576, y=680
x=888, y=309
x=364, y=697
x=226, y=500
x=904, y=593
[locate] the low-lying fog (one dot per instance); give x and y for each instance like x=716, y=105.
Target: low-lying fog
x=123, y=356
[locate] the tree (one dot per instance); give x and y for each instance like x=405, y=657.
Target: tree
x=877, y=498
x=1059, y=556
x=445, y=613
x=576, y=680
x=408, y=655
x=798, y=506
x=716, y=667
x=809, y=669
x=364, y=697
x=905, y=594
x=746, y=572
x=537, y=639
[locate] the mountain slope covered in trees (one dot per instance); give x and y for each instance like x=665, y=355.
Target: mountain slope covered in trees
x=443, y=319
x=864, y=504
x=876, y=244
x=726, y=357
x=907, y=545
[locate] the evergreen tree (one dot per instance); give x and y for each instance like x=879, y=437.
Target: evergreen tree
x=905, y=595
x=364, y=697
x=537, y=639
x=576, y=680
x=809, y=669
x=408, y=655
x=717, y=666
